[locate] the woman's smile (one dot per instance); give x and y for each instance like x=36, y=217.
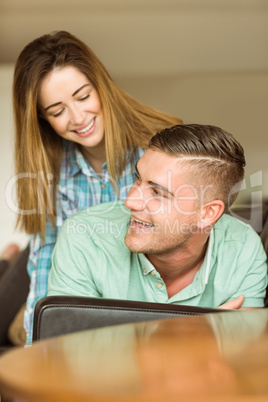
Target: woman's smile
x=88, y=130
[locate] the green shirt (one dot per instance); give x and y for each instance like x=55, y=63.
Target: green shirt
x=91, y=259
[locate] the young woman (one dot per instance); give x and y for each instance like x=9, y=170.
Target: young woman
x=78, y=137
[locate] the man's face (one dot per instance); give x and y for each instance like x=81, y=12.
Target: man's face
x=164, y=206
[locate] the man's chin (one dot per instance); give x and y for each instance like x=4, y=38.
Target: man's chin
x=133, y=244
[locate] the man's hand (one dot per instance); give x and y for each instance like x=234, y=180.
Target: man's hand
x=233, y=304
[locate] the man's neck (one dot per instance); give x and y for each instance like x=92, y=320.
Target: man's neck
x=179, y=268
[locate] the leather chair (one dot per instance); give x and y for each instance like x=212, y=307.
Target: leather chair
x=58, y=315
x=14, y=288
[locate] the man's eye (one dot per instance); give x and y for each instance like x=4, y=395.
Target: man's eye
x=156, y=192
x=137, y=177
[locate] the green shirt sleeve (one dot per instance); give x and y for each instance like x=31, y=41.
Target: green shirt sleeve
x=73, y=254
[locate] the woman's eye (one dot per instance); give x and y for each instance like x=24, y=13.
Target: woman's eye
x=58, y=113
x=84, y=97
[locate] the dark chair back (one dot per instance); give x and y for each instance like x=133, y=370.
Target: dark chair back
x=58, y=315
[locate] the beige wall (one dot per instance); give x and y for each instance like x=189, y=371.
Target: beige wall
x=7, y=216
x=236, y=102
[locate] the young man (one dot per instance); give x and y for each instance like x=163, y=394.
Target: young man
x=171, y=242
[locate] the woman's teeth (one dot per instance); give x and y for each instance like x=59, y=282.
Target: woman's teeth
x=143, y=223
x=87, y=128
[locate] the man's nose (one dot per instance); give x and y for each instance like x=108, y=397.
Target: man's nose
x=135, y=199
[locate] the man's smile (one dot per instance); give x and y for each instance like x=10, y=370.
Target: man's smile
x=139, y=223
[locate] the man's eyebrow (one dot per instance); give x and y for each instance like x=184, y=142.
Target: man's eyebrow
x=153, y=184
x=75, y=93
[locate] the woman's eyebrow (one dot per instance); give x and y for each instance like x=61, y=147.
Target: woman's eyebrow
x=75, y=93
x=79, y=89
x=54, y=104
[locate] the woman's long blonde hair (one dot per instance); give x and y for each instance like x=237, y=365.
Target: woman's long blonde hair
x=127, y=124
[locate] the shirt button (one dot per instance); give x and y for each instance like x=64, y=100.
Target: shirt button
x=153, y=273
x=103, y=186
x=159, y=285
x=144, y=271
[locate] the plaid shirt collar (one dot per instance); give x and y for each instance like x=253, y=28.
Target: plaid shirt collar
x=76, y=162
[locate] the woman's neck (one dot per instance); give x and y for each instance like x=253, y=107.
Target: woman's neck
x=95, y=157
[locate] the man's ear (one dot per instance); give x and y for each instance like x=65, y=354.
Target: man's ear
x=210, y=213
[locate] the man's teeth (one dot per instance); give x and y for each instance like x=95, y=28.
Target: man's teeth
x=143, y=223
x=87, y=128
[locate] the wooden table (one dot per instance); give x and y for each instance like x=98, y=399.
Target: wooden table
x=214, y=357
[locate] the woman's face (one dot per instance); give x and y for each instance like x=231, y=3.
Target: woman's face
x=72, y=106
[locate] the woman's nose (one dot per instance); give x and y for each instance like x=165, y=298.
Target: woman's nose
x=77, y=115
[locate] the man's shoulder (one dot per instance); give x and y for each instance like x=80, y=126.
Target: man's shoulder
x=235, y=229
x=101, y=220
x=112, y=211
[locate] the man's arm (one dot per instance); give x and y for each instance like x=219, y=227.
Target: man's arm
x=236, y=304
x=233, y=304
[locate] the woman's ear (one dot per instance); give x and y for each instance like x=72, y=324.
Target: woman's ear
x=210, y=213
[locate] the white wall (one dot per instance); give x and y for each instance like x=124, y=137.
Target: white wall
x=236, y=102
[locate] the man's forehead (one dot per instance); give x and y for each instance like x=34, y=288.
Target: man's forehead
x=161, y=162
x=160, y=168
x=151, y=155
